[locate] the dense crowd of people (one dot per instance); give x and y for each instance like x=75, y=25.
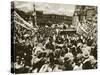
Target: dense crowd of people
x=47, y=50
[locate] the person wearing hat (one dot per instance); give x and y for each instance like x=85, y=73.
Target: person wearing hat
x=89, y=62
x=38, y=59
x=79, y=47
x=68, y=61
x=18, y=65
x=49, y=44
x=49, y=65
x=78, y=62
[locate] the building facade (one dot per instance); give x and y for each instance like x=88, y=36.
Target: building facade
x=86, y=16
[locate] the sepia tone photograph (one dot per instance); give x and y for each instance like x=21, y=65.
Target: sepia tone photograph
x=52, y=37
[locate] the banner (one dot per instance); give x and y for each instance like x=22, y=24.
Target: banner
x=21, y=21
x=80, y=29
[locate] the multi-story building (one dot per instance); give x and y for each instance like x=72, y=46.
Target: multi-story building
x=42, y=18
x=86, y=16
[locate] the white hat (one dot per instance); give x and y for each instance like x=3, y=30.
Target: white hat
x=69, y=56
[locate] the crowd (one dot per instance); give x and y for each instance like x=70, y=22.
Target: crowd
x=47, y=50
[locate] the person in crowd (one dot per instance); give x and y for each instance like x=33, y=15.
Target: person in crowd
x=50, y=44
x=19, y=65
x=68, y=61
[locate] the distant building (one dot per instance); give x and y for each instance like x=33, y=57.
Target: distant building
x=86, y=16
x=52, y=18
x=42, y=18
x=58, y=19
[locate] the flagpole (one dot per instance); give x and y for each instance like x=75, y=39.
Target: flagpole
x=35, y=18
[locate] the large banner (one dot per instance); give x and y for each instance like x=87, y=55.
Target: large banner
x=20, y=21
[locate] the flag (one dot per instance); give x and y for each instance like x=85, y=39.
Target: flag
x=20, y=21
x=80, y=29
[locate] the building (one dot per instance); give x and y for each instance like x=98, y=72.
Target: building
x=42, y=18
x=86, y=16
x=57, y=19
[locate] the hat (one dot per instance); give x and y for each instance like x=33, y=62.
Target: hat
x=26, y=35
x=92, y=59
x=17, y=57
x=88, y=48
x=68, y=56
x=79, y=56
x=79, y=44
x=38, y=50
x=85, y=45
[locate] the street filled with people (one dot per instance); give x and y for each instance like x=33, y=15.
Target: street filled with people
x=49, y=50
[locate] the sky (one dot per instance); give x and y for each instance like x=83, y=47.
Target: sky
x=47, y=8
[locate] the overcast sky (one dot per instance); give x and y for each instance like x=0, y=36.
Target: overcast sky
x=47, y=8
